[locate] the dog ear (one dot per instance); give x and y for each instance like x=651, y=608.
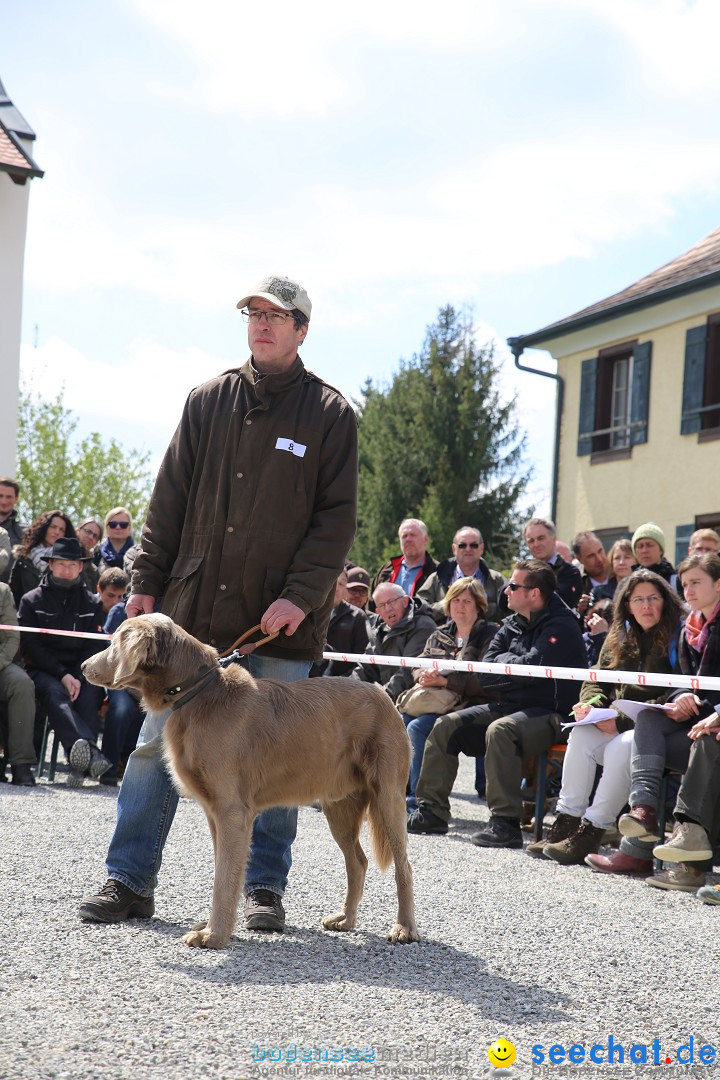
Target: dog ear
x=135, y=649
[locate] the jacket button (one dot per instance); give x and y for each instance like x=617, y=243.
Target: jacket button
x=239, y=475
x=230, y=528
x=248, y=422
x=223, y=587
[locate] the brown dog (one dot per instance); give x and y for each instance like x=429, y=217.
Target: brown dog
x=239, y=746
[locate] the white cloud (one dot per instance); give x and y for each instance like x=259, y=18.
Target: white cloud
x=298, y=58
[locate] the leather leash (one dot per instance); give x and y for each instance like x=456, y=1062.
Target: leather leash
x=249, y=648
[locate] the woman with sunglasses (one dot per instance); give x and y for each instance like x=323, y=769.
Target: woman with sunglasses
x=643, y=637
x=118, y=538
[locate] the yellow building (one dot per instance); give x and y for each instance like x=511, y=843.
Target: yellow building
x=638, y=417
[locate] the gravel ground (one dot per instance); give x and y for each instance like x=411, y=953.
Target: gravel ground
x=513, y=947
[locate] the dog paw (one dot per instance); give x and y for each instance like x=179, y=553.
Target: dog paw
x=338, y=921
x=403, y=935
x=204, y=939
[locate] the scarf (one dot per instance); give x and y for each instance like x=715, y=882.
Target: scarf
x=110, y=556
x=697, y=629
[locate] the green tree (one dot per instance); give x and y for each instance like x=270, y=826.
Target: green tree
x=439, y=443
x=83, y=479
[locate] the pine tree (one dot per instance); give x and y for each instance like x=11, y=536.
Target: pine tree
x=438, y=443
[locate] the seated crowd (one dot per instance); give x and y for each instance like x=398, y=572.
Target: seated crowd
x=629, y=609
x=576, y=607
x=60, y=578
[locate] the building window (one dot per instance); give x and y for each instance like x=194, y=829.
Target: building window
x=701, y=380
x=614, y=401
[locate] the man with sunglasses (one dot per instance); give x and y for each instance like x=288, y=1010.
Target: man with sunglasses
x=250, y=521
x=466, y=561
x=523, y=719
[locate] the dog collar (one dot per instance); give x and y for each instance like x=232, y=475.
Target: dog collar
x=197, y=682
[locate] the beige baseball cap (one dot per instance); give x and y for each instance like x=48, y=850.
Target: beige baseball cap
x=282, y=291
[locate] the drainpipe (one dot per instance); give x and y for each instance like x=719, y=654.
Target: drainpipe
x=517, y=349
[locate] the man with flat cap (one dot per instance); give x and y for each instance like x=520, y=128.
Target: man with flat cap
x=251, y=518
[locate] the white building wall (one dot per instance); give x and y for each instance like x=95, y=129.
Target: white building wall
x=13, y=223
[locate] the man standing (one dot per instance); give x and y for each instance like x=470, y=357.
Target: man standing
x=414, y=566
x=467, y=561
x=9, y=494
x=400, y=628
x=523, y=722
x=541, y=537
x=589, y=551
x=251, y=518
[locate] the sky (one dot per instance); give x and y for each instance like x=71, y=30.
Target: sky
x=518, y=159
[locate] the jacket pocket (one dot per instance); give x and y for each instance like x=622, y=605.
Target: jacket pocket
x=272, y=586
x=182, y=588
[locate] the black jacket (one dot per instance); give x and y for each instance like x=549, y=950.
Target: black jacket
x=552, y=638
x=406, y=638
x=55, y=608
x=347, y=632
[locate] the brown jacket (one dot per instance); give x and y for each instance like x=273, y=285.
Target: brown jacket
x=236, y=522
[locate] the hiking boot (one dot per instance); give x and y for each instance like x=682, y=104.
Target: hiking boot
x=563, y=826
x=682, y=878
x=617, y=863
x=499, y=833
x=688, y=843
x=423, y=820
x=264, y=911
x=572, y=850
x=80, y=756
x=75, y=779
x=709, y=894
x=642, y=823
x=99, y=764
x=115, y=903
x=22, y=776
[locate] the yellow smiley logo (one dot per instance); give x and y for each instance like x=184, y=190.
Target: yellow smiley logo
x=501, y=1053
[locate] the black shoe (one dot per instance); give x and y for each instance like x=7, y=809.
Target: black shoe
x=423, y=820
x=108, y=781
x=80, y=756
x=114, y=903
x=22, y=776
x=99, y=764
x=264, y=911
x=499, y=832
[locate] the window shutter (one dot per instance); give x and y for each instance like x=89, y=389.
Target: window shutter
x=694, y=378
x=682, y=539
x=588, y=389
x=640, y=394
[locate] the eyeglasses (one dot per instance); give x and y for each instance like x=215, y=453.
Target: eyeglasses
x=118, y=524
x=513, y=586
x=641, y=601
x=89, y=532
x=471, y=544
x=274, y=318
x=389, y=603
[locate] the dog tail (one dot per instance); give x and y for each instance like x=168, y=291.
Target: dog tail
x=377, y=827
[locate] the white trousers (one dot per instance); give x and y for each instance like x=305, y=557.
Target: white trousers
x=587, y=748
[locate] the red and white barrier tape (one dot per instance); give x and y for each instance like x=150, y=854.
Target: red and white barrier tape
x=526, y=671
x=63, y=633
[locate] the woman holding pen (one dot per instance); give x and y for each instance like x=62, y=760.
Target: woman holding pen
x=643, y=637
x=665, y=740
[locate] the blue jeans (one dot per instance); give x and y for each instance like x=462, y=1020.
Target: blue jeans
x=148, y=800
x=418, y=729
x=123, y=721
